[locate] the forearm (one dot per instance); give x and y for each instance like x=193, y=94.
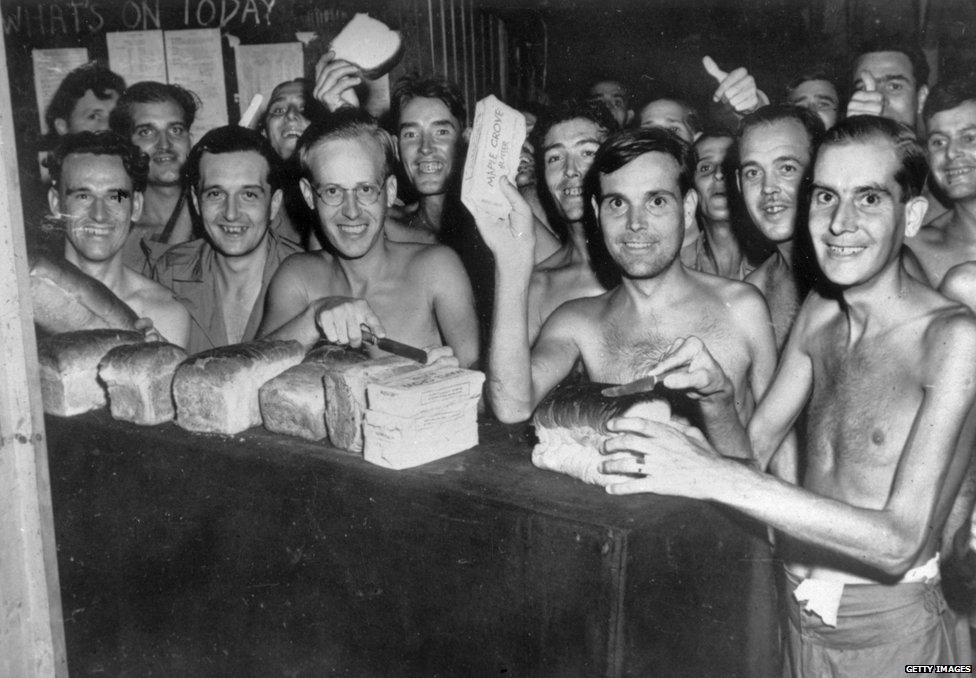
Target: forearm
x=509, y=354
x=300, y=328
x=724, y=429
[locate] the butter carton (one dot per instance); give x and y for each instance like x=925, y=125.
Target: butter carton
x=428, y=388
x=493, y=152
x=400, y=442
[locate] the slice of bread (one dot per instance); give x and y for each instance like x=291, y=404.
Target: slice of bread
x=369, y=44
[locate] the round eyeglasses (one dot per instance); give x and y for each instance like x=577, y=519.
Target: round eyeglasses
x=334, y=195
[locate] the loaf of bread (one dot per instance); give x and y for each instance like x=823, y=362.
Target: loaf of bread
x=294, y=402
x=345, y=397
x=139, y=379
x=422, y=415
x=66, y=300
x=217, y=391
x=571, y=425
x=69, y=368
x=369, y=44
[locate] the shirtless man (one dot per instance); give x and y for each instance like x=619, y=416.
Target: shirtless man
x=885, y=369
x=641, y=187
x=718, y=250
x=98, y=179
x=950, y=240
x=566, y=138
x=222, y=278
x=775, y=146
x=157, y=118
x=816, y=91
x=414, y=293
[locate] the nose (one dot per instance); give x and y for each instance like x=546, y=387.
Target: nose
x=426, y=143
x=769, y=186
x=844, y=219
x=164, y=143
x=230, y=209
x=99, y=210
x=350, y=207
x=719, y=174
x=292, y=113
x=572, y=168
x=952, y=149
x=637, y=219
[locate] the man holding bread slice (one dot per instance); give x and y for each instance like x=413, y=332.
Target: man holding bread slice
x=415, y=293
x=222, y=278
x=97, y=184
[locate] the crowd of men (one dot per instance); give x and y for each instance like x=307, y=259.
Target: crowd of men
x=802, y=270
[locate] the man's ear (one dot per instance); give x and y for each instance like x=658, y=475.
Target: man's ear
x=466, y=134
x=276, y=199
x=738, y=182
x=923, y=95
x=630, y=118
x=195, y=200
x=138, y=201
x=595, y=205
x=691, y=207
x=391, y=190
x=307, y=193
x=61, y=126
x=915, y=210
x=54, y=201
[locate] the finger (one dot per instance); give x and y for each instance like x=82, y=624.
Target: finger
x=370, y=318
x=732, y=83
x=442, y=355
x=635, y=486
x=683, y=354
x=624, y=464
x=511, y=193
x=692, y=380
x=870, y=84
x=744, y=100
x=631, y=431
x=327, y=325
x=712, y=69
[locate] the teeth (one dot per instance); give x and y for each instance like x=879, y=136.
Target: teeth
x=774, y=209
x=573, y=191
x=958, y=171
x=353, y=229
x=845, y=251
x=638, y=245
x=430, y=167
x=233, y=230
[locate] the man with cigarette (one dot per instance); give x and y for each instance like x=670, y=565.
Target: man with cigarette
x=859, y=534
x=411, y=292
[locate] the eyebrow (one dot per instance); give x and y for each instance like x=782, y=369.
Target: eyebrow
x=207, y=187
x=444, y=121
x=872, y=187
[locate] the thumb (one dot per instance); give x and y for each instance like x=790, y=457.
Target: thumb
x=712, y=68
x=870, y=84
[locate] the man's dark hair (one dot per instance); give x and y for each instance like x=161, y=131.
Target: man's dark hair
x=626, y=145
x=949, y=94
x=149, y=92
x=135, y=162
x=767, y=115
x=91, y=76
x=410, y=87
x=816, y=72
x=346, y=123
x=920, y=67
x=692, y=117
x=232, y=139
x=862, y=128
x=564, y=111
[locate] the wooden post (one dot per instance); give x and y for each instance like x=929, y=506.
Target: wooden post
x=31, y=629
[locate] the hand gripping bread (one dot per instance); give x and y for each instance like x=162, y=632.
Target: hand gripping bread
x=139, y=379
x=571, y=425
x=66, y=300
x=369, y=44
x=294, y=402
x=69, y=368
x=217, y=391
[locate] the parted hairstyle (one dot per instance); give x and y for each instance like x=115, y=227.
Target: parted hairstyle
x=767, y=115
x=692, y=117
x=626, y=145
x=564, y=111
x=920, y=67
x=149, y=92
x=914, y=167
x=410, y=87
x=232, y=139
x=135, y=162
x=91, y=76
x=346, y=123
x=949, y=94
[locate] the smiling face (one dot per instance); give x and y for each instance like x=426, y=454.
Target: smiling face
x=857, y=219
x=96, y=200
x=568, y=150
x=820, y=96
x=670, y=115
x=772, y=159
x=643, y=214
x=158, y=128
x=286, y=119
x=235, y=201
x=347, y=167
x=428, y=138
x=710, y=178
x=895, y=79
x=951, y=150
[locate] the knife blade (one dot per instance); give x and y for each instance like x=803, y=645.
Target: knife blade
x=394, y=347
x=642, y=385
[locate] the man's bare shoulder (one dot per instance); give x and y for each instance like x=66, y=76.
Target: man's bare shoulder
x=760, y=275
x=147, y=290
x=584, y=309
x=560, y=260
x=301, y=263
x=932, y=233
x=950, y=336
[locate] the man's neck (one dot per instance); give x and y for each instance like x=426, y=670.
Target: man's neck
x=724, y=245
x=430, y=214
x=110, y=272
x=369, y=268
x=237, y=272
x=158, y=205
x=660, y=291
x=962, y=224
x=869, y=306
x=578, y=241
x=785, y=251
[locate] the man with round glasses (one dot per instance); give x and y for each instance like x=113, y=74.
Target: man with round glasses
x=415, y=293
x=222, y=278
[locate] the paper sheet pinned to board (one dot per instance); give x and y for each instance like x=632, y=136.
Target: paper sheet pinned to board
x=195, y=61
x=50, y=67
x=260, y=68
x=493, y=153
x=137, y=55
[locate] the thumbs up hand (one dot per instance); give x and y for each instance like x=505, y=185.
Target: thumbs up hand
x=737, y=89
x=868, y=100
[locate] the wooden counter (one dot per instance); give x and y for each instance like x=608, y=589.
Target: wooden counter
x=263, y=555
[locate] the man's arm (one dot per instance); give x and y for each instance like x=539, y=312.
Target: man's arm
x=288, y=311
x=887, y=539
x=453, y=302
x=173, y=322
